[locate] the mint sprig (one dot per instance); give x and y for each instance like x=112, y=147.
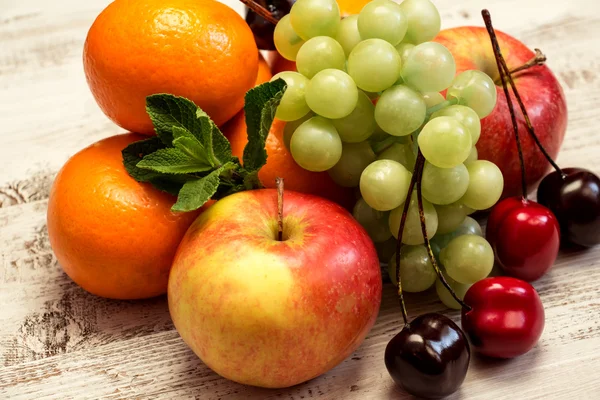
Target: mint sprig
x=191, y=158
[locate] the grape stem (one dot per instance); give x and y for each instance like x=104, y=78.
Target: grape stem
x=279, y=185
x=503, y=77
x=419, y=171
x=504, y=71
x=260, y=10
x=539, y=59
x=440, y=106
x=411, y=187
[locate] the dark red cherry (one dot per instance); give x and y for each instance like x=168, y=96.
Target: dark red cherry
x=263, y=29
x=429, y=358
x=525, y=237
x=506, y=319
x=575, y=200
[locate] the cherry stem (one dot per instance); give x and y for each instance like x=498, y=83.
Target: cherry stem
x=260, y=10
x=413, y=180
x=421, y=161
x=503, y=76
x=539, y=59
x=279, y=184
x=503, y=69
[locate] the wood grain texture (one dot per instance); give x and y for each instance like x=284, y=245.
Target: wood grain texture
x=58, y=342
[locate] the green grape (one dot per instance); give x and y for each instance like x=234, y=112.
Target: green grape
x=347, y=34
x=412, y=233
x=460, y=289
x=466, y=116
x=423, y=20
x=316, y=145
x=386, y=249
x=404, y=49
x=476, y=90
x=355, y=158
x=374, y=64
x=401, y=153
x=382, y=19
x=468, y=227
x=444, y=185
x=286, y=40
x=486, y=184
x=429, y=67
x=319, y=53
x=400, y=111
x=468, y=258
x=380, y=135
x=450, y=217
x=473, y=156
x=384, y=184
x=311, y=18
x=332, y=94
x=293, y=103
x=291, y=126
x=416, y=270
x=360, y=124
x=445, y=142
x=433, y=99
x=375, y=222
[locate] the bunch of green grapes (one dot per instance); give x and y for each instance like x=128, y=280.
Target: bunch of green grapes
x=366, y=98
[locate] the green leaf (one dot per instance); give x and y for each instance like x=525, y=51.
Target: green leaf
x=195, y=193
x=190, y=145
x=167, y=111
x=261, y=105
x=173, y=161
x=135, y=152
x=219, y=148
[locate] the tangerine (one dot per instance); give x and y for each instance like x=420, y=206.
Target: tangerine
x=198, y=49
x=115, y=237
x=264, y=72
x=281, y=164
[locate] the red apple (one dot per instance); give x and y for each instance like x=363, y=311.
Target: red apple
x=272, y=313
x=541, y=93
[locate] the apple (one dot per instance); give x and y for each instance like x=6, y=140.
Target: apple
x=272, y=313
x=541, y=93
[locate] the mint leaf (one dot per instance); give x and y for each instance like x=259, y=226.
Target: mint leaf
x=195, y=193
x=218, y=145
x=167, y=111
x=135, y=152
x=260, y=107
x=173, y=161
x=190, y=145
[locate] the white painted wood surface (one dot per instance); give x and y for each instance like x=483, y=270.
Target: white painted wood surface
x=58, y=342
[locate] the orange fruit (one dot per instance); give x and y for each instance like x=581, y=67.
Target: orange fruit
x=281, y=164
x=199, y=49
x=350, y=7
x=115, y=237
x=280, y=64
x=264, y=72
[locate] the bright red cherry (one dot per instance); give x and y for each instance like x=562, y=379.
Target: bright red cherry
x=506, y=319
x=525, y=236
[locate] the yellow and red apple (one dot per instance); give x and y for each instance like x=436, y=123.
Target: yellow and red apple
x=541, y=93
x=272, y=313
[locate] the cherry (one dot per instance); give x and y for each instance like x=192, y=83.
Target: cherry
x=575, y=200
x=430, y=357
x=263, y=29
x=525, y=237
x=506, y=318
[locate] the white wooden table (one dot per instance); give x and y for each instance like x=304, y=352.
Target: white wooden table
x=57, y=341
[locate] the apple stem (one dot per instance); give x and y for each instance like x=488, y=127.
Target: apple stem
x=539, y=59
x=503, y=72
x=279, y=184
x=421, y=161
x=260, y=10
x=418, y=165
